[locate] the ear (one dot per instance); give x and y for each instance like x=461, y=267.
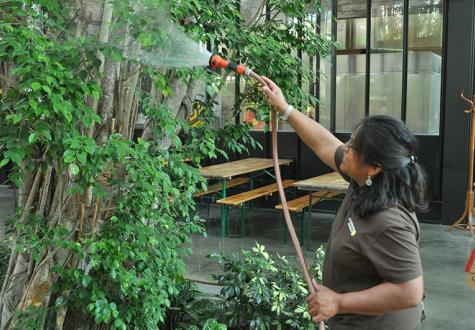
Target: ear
x=374, y=170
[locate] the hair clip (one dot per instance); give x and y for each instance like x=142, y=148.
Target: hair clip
x=413, y=158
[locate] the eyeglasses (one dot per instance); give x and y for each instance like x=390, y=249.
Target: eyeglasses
x=351, y=145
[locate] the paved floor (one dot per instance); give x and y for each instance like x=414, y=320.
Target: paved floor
x=450, y=303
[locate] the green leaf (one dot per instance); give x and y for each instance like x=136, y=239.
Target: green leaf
x=46, y=89
x=68, y=116
x=74, y=169
x=57, y=107
x=89, y=149
x=86, y=280
x=4, y=162
x=212, y=89
x=35, y=86
x=15, y=118
x=82, y=157
x=47, y=135
x=16, y=158
x=32, y=138
x=69, y=156
x=33, y=104
x=116, y=56
x=96, y=118
x=38, y=111
x=95, y=93
x=87, y=121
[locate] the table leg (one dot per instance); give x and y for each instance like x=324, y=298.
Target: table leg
x=241, y=220
x=224, y=212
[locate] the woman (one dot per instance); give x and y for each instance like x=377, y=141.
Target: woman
x=372, y=276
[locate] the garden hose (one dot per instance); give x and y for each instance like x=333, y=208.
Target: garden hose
x=216, y=62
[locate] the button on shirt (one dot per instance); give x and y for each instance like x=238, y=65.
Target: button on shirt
x=362, y=253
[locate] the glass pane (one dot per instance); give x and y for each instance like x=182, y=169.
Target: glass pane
x=351, y=64
x=386, y=58
x=424, y=66
x=350, y=86
x=324, y=82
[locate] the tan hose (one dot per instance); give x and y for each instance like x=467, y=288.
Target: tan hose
x=283, y=200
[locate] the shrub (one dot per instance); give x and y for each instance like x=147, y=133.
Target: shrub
x=261, y=291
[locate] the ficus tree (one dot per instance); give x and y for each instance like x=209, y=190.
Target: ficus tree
x=104, y=209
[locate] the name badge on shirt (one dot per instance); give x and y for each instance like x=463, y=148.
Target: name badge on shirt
x=351, y=227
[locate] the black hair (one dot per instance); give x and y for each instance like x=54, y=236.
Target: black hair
x=386, y=142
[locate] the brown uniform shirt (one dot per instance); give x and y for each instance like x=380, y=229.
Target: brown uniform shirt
x=362, y=253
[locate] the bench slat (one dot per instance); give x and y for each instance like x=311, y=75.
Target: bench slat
x=298, y=204
x=219, y=186
x=247, y=196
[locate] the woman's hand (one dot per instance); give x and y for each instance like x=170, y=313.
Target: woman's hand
x=274, y=96
x=323, y=304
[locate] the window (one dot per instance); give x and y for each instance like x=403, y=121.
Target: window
x=424, y=66
x=350, y=64
x=372, y=76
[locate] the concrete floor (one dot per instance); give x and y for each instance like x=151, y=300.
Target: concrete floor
x=450, y=303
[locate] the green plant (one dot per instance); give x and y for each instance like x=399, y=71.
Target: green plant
x=212, y=324
x=316, y=269
x=261, y=291
x=191, y=307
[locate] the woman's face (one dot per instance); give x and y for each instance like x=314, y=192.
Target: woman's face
x=351, y=161
x=353, y=164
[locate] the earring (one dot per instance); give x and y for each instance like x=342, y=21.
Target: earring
x=369, y=182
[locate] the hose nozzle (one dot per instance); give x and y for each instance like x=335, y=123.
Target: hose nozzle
x=217, y=62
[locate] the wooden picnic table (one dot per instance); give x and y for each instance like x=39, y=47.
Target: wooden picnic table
x=326, y=182
x=239, y=167
x=226, y=171
x=329, y=184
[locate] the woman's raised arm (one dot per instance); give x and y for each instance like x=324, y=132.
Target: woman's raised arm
x=317, y=137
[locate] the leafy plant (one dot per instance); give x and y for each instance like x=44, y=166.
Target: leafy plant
x=261, y=291
x=191, y=307
x=212, y=324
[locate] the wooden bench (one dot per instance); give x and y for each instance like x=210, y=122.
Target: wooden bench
x=239, y=199
x=242, y=198
x=219, y=186
x=300, y=204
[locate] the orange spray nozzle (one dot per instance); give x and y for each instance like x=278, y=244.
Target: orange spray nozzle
x=217, y=62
